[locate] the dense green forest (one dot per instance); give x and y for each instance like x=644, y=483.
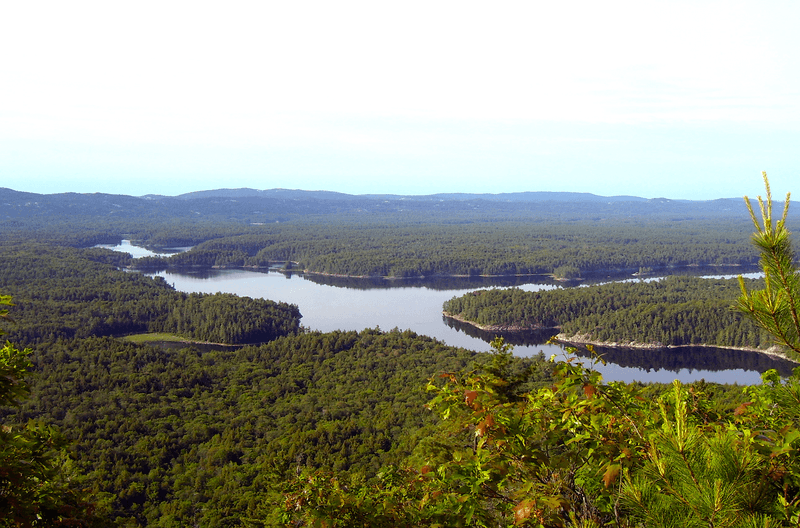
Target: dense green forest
x=400, y=248
x=579, y=452
x=673, y=311
x=183, y=438
x=583, y=453
x=373, y=428
x=187, y=436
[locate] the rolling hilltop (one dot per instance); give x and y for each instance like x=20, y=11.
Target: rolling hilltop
x=250, y=205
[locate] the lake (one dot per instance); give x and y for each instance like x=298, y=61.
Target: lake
x=330, y=303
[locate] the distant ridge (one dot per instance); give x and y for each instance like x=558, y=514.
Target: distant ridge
x=279, y=205
x=246, y=192
x=527, y=196
x=534, y=196
x=298, y=194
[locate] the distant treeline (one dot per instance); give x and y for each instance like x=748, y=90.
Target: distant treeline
x=672, y=311
x=371, y=249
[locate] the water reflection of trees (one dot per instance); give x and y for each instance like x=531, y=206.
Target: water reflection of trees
x=431, y=283
x=693, y=358
x=444, y=283
x=526, y=338
x=674, y=359
x=195, y=273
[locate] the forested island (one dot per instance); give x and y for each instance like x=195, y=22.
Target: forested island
x=370, y=427
x=675, y=311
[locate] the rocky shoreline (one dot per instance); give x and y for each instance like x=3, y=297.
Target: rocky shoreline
x=582, y=340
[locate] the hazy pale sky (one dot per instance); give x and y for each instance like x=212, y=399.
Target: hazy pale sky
x=675, y=99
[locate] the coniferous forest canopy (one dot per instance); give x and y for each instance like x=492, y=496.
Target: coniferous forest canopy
x=674, y=311
x=296, y=425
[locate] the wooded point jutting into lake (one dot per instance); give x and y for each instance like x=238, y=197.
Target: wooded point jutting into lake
x=181, y=399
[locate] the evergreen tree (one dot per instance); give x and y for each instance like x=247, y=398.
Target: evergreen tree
x=776, y=308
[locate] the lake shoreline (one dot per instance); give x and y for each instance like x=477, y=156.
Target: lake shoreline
x=498, y=328
x=582, y=340
x=589, y=274
x=617, y=271
x=419, y=277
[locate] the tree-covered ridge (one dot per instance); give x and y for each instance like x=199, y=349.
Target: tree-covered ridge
x=672, y=311
x=252, y=206
x=64, y=293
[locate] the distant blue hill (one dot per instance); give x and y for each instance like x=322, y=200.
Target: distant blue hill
x=536, y=196
x=269, y=193
x=248, y=205
x=529, y=196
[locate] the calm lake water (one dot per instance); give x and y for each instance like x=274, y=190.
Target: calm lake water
x=135, y=251
x=329, y=304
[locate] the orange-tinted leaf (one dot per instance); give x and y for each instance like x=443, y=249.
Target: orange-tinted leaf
x=742, y=408
x=480, y=429
x=589, y=390
x=469, y=397
x=611, y=474
x=522, y=511
x=485, y=424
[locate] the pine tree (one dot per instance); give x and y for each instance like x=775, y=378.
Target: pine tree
x=776, y=308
